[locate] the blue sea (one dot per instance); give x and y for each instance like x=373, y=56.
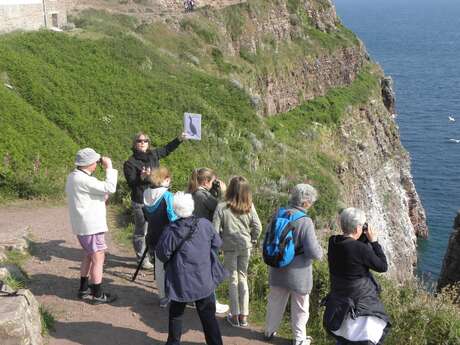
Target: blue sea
x=417, y=42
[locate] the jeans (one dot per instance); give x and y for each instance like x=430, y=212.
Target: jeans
x=206, y=309
x=140, y=229
x=236, y=262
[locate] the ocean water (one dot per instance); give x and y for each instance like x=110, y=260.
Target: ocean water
x=417, y=42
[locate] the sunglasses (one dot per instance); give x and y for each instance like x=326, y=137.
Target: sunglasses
x=142, y=141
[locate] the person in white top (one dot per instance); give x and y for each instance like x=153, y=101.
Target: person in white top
x=86, y=197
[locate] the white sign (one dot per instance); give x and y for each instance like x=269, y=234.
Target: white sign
x=192, y=126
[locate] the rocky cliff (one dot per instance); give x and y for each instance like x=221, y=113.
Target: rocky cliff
x=450, y=273
x=311, y=53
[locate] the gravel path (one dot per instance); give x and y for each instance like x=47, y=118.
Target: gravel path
x=134, y=319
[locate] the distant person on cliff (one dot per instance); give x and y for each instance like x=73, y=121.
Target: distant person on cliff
x=206, y=190
x=189, y=5
x=188, y=249
x=86, y=197
x=295, y=280
x=159, y=212
x=136, y=169
x=237, y=222
x=354, y=313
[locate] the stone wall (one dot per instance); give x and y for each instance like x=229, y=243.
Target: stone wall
x=29, y=14
x=21, y=15
x=58, y=9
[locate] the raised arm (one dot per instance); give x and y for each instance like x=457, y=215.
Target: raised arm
x=162, y=152
x=374, y=258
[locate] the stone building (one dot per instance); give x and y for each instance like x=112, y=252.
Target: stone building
x=32, y=14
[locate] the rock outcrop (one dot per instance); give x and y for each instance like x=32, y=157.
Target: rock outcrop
x=375, y=175
x=450, y=273
x=20, y=319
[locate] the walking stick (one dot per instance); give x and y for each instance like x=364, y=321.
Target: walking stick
x=140, y=263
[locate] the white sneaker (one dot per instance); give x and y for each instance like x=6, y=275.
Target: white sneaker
x=306, y=341
x=146, y=264
x=221, y=308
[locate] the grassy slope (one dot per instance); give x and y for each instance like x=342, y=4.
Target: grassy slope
x=116, y=77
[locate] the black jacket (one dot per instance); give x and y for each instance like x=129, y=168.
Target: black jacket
x=150, y=159
x=353, y=288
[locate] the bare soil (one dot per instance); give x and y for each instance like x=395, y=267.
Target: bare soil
x=134, y=319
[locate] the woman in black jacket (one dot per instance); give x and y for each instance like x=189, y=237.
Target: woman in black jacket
x=136, y=169
x=354, y=313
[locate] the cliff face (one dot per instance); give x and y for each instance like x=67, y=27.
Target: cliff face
x=285, y=35
x=450, y=273
x=374, y=168
x=375, y=175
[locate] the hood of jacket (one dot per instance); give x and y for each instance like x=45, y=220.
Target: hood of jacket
x=153, y=196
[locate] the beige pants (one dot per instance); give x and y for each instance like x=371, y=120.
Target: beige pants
x=160, y=277
x=236, y=262
x=277, y=301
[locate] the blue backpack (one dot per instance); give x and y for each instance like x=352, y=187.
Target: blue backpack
x=279, y=248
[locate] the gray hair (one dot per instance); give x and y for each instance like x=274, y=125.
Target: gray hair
x=183, y=204
x=350, y=219
x=303, y=193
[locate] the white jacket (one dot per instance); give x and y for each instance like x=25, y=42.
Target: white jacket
x=86, y=200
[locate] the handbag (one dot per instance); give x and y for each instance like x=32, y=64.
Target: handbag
x=218, y=271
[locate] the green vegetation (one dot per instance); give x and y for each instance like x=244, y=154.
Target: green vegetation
x=14, y=283
x=16, y=257
x=47, y=319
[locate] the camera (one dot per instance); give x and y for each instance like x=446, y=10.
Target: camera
x=363, y=237
x=99, y=161
x=215, y=189
x=216, y=184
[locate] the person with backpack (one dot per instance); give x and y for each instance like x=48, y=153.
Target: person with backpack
x=206, y=190
x=290, y=246
x=159, y=212
x=237, y=221
x=188, y=249
x=136, y=170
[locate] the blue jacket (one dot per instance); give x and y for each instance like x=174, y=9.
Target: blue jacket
x=158, y=211
x=188, y=274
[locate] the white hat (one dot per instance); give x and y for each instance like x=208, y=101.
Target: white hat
x=86, y=156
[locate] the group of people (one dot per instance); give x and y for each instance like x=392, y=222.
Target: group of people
x=183, y=234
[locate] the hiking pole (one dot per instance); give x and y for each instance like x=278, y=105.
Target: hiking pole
x=140, y=263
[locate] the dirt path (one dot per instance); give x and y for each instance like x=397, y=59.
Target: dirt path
x=134, y=319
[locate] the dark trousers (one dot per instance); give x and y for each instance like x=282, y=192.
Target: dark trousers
x=206, y=309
